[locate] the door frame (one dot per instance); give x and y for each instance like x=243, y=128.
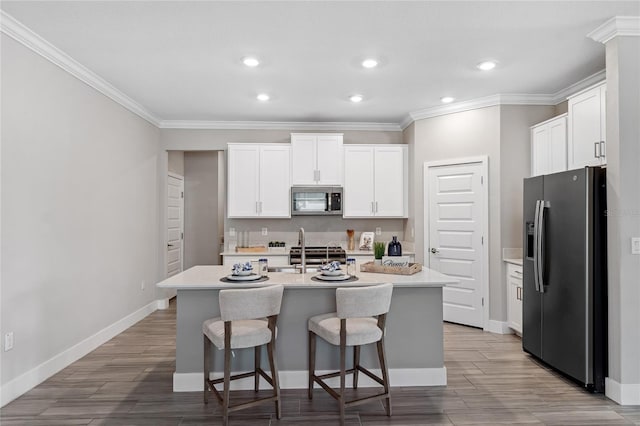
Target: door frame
x=483, y=160
x=166, y=221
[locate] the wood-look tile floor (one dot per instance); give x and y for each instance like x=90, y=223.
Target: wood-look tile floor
x=128, y=381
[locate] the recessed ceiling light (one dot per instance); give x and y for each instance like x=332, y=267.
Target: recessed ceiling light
x=447, y=99
x=250, y=61
x=369, y=63
x=263, y=97
x=486, y=65
x=356, y=98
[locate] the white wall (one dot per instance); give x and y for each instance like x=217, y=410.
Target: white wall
x=79, y=212
x=623, y=218
x=201, y=238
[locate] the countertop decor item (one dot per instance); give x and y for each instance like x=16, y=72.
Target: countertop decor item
x=413, y=268
x=394, y=248
x=366, y=241
x=378, y=250
x=351, y=245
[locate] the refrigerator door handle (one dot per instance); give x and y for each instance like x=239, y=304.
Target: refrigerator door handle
x=541, y=267
x=535, y=245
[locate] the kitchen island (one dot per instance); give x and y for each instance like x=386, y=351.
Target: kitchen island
x=414, y=336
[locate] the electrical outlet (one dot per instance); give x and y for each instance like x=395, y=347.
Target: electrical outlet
x=232, y=232
x=265, y=232
x=142, y=285
x=8, y=341
x=635, y=245
x=378, y=231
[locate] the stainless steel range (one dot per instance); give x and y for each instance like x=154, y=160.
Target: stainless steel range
x=317, y=255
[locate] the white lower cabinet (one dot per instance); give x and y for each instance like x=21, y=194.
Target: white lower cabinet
x=514, y=297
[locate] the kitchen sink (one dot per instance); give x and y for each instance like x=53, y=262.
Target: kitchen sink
x=291, y=269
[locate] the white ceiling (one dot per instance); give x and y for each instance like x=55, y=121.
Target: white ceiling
x=182, y=60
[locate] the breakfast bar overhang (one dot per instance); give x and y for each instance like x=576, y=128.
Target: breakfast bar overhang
x=414, y=328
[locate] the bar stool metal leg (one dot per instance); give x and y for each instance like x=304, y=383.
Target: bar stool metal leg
x=274, y=378
x=312, y=361
x=343, y=356
x=256, y=370
x=206, y=369
x=227, y=373
x=356, y=364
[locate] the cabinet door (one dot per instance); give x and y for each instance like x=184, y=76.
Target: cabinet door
x=514, y=297
x=391, y=177
x=358, y=181
x=603, y=124
x=330, y=160
x=304, y=162
x=557, y=145
x=585, y=129
x=242, y=188
x=539, y=150
x=275, y=181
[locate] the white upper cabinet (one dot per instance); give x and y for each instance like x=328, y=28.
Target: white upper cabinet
x=587, y=131
x=376, y=181
x=549, y=146
x=259, y=180
x=317, y=159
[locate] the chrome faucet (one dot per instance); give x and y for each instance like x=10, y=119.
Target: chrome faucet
x=329, y=245
x=302, y=250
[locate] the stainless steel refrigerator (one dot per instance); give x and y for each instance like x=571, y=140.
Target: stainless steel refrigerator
x=565, y=273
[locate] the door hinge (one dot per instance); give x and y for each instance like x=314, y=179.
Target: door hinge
x=482, y=240
x=181, y=194
x=483, y=301
x=481, y=180
x=182, y=235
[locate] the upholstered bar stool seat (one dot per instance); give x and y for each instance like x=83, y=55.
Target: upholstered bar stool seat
x=247, y=320
x=353, y=324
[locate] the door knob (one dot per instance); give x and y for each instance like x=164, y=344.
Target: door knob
x=169, y=245
x=435, y=250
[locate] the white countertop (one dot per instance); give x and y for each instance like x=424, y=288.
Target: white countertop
x=208, y=277
x=279, y=253
x=514, y=261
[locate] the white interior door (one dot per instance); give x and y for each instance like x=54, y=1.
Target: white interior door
x=456, y=206
x=175, y=223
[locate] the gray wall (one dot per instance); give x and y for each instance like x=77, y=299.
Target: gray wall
x=79, y=210
x=176, y=162
x=203, y=140
x=201, y=238
x=502, y=134
x=623, y=205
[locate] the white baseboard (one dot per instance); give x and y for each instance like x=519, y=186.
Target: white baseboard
x=193, y=382
x=623, y=394
x=23, y=383
x=499, y=327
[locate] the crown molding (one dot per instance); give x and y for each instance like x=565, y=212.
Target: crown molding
x=616, y=26
x=580, y=86
x=277, y=125
x=16, y=30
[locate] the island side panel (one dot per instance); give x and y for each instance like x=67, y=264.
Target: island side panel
x=414, y=336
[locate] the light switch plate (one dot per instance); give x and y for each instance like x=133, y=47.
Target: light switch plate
x=635, y=245
x=8, y=341
x=378, y=231
x=232, y=232
x=265, y=232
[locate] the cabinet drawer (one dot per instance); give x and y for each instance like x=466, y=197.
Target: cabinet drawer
x=514, y=271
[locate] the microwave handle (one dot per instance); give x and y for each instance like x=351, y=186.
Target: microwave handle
x=328, y=199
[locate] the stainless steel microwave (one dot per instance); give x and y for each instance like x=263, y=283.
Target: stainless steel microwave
x=316, y=200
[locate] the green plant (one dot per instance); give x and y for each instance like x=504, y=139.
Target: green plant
x=378, y=250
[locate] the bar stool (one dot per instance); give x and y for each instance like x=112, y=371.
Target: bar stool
x=353, y=325
x=247, y=319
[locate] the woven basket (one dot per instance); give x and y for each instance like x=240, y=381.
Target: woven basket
x=413, y=268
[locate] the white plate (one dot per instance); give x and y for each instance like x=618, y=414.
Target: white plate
x=251, y=277
x=342, y=277
x=331, y=273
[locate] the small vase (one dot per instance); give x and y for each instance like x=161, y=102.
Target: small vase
x=351, y=245
x=394, y=248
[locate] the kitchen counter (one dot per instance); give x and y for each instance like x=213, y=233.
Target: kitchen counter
x=414, y=329
x=208, y=277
